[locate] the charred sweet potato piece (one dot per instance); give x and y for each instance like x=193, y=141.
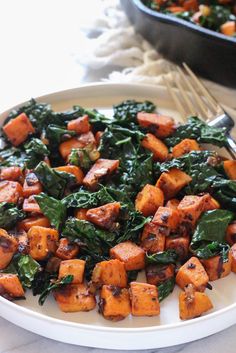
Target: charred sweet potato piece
x=131, y=254
x=74, y=297
x=193, y=305
x=230, y=169
x=73, y=267
x=101, y=168
x=148, y=200
x=42, y=242
x=31, y=186
x=110, y=272
x=156, y=146
x=11, y=173
x=144, y=299
x=8, y=247
x=10, y=286
x=10, y=191
x=29, y=222
x=22, y=242
x=192, y=272
x=172, y=182
x=81, y=213
x=157, y=274
x=191, y=208
x=160, y=125
x=167, y=217
x=172, y=203
x=114, y=302
x=104, y=216
x=216, y=268
x=67, y=250
x=185, y=146
x=233, y=258
x=153, y=238
x=231, y=234
x=31, y=205
x=180, y=245
x=72, y=169
x=80, y=125
x=18, y=129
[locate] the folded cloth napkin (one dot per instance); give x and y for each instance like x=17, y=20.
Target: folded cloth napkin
x=111, y=41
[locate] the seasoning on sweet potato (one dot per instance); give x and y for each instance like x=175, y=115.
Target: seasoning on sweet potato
x=74, y=298
x=193, y=304
x=191, y=208
x=148, y=200
x=31, y=186
x=80, y=125
x=8, y=247
x=101, y=168
x=185, y=146
x=42, y=242
x=144, y=299
x=31, y=205
x=180, y=245
x=172, y=182
x=18, y=129
x=167, y=217
x=110, y=272
x=114, y=302
x=104, y=216
x=73, y=267
x=11, y=173
x=10, y=286
x=22, y=242
x=192, y=272
x=156, y=146
x=172, y=203
x=67, y=250
x=29, y=222
x=230, y=169
x=233, y=258
x=231, y=234
x=216, y=268
x=10, y=191
x=157, y=274
x=228, y=28
x=153, y=238
x=72, y=169
x=159, y=125
x=131, y=254
x=81, y=213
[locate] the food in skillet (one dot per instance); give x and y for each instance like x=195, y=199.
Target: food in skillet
x=87, y=202
x=217, y=15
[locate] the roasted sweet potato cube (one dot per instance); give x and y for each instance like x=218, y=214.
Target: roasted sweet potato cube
x=31, y=205
x=216, y=268
x=144, y=299
x=10, y=191
x=148, y=200
x=172, y=182
x=30, y=222
x=81, y=213
x=10, y=286
x=80, y=125
x=22, y=242
x=72, y=169
x=180, y=245
x=42, y=242
x=153, y=238
x=160, y=125
x=131, y=254
x=233, y=258
x=31, y=186
x=229, y=27
x=211, y=203
x=191, y=208
x=87, y=139
x=66, y=147
x=18, y=129
x=114, y=303
x=67, y=250
x=110, y=272
x=192, y=272
x=11, y=173
x=74, y=297
x=157, y=274
x=167, y=217
x=156, y=146
x=101, y=168
x=194, y=306
x=230, y=169
x=231, y=234
x=73, y=267
x=185, y=146
x=8, y=247
x=104, y=216
x=172, y=203
x=98, y=136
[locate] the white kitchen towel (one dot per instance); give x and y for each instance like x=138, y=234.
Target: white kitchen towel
x=111, y=42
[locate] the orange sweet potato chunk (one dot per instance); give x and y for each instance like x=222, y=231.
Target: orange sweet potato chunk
x=67, y=250
x=228, y=28
x=144, y=299
x=191, y=208
x=153, y=238
x=110, y=272
x=31, y=186
x=80, y=125
x=74, y=267
x=230, y=169
x=172, y=203
x=66, y=147
x=148, y=200
x=167, y=217
x=72, y=169
x=172, y=182
x=8, y=247
x=29, y=222
x=104, y=216
x=192, y=272
x=156, y=146
x=185, y=146
x=195, y=306
x=179, y=244
x=216, y=268
x=42, y=242
x=10, y=285
x=231, y=234
x=101, y=168
x=11, y=173
x=81, y=213
x=115, y=302
x=18, y=129
x=211, y=203
x=131, y=254
x=159, y=125
x=10, y=191
x=157, y=274
x=31, y=205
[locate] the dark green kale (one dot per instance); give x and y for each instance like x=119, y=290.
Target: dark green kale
x=10, y=215
x=164, y=257
x=53, y=286
x=35, y=151
x=57, y=134
x=126, y=112
x=26, y=268
x=53, y=209
x=86, y=199
x=166, y=288
x=12, y=156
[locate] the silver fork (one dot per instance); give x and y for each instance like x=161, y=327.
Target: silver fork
x=197, y=100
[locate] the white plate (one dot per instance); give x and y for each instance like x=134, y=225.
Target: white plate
x=90, y=329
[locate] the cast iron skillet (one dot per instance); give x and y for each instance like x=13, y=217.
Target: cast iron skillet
x=210, y=54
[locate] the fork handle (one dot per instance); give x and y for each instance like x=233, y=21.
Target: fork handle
x=231, y=146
